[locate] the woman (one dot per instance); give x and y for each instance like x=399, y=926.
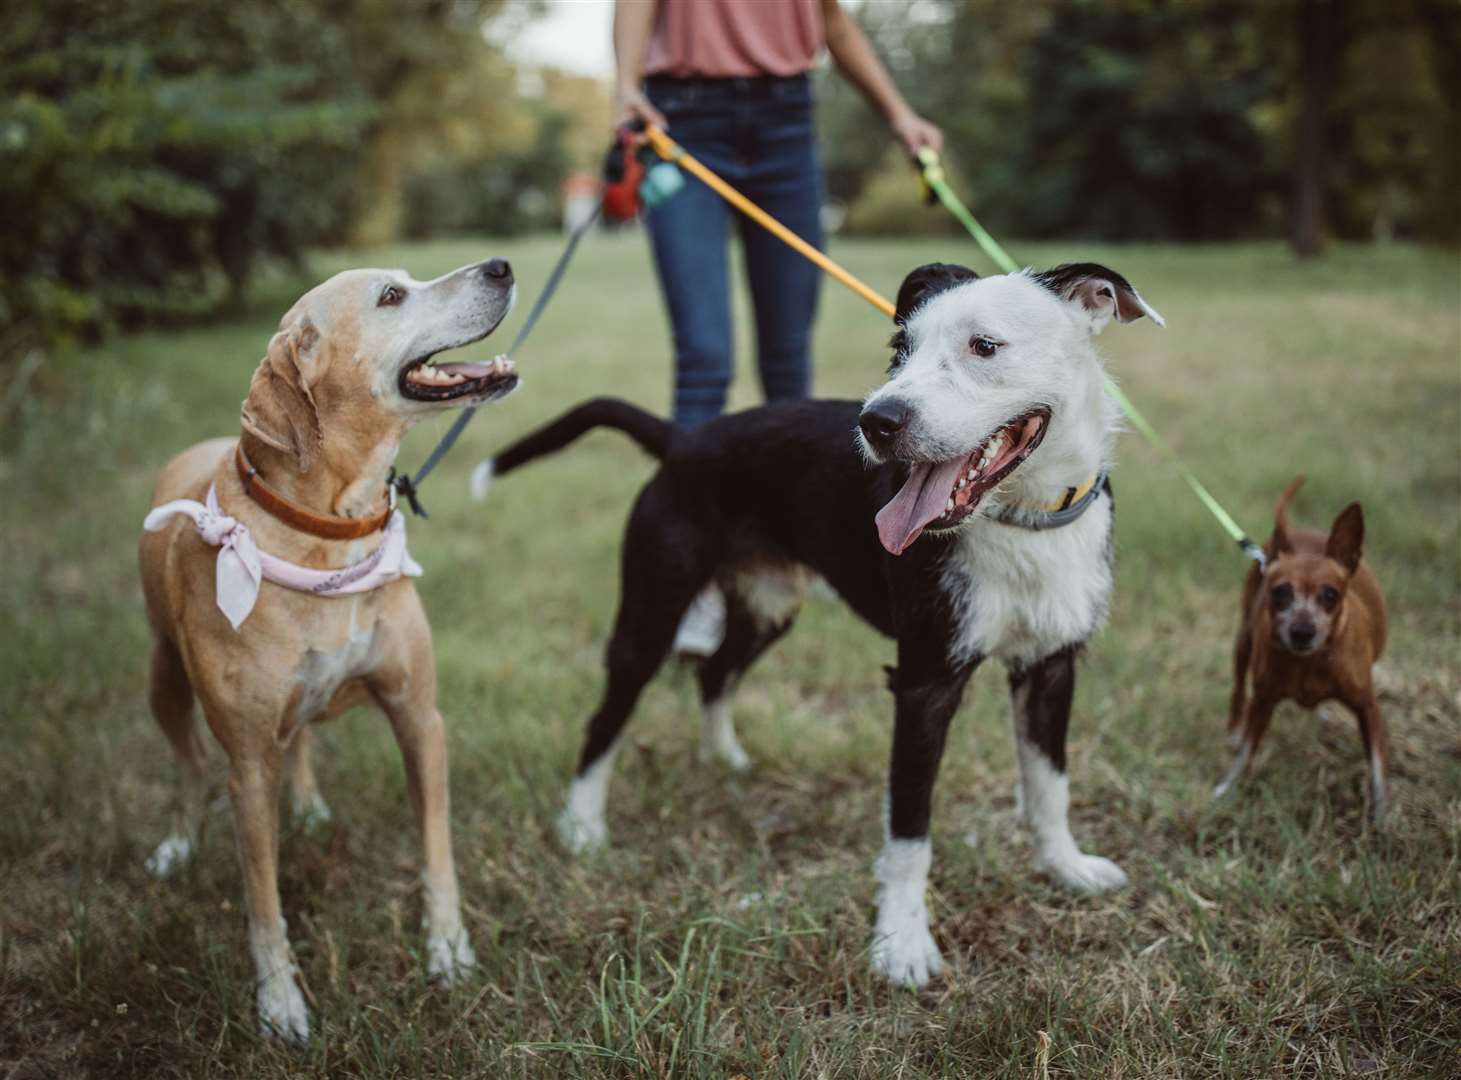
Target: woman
x=729, y=79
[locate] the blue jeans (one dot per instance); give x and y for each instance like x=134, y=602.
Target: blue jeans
x=758, y=135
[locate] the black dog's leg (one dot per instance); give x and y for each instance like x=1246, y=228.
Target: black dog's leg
x=903, y=949
x=665, y=563
x=748, y=634
x=1041, y=695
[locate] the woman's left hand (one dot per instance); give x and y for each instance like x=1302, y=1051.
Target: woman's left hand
x=914, y=132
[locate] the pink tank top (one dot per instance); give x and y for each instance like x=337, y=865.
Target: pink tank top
x=719, y=39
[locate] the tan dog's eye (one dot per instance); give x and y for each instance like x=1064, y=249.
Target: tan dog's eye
x=1282, y=596
x=390, y=296
x=983, y=347
x=1329, y=597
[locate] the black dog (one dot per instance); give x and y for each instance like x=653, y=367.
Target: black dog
x=991, y=440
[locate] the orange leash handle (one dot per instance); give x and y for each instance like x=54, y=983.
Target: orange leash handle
x=676, y=154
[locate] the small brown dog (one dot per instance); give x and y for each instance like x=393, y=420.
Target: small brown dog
x=1313, y=625
x=287, y=598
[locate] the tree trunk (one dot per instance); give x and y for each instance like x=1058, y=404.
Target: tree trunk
x=1318, y=29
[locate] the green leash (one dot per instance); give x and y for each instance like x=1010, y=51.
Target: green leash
x=932, y=171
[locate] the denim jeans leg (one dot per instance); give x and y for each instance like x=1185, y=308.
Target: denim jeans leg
x=787, y=184
x=689, y=235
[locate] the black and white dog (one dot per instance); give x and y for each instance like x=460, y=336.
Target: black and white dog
x=963, y=509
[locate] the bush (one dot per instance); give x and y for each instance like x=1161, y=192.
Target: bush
x=152, y=153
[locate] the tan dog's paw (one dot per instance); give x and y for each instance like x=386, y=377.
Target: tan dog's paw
x=282, y=1011
x=312, y=814
x=170, y=855
x=449, y=958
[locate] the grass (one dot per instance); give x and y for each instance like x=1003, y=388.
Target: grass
x=725, y=931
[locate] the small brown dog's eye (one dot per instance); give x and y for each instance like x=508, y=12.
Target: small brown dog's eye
x=390, y=296
x=982, y=346
x=1329, y=597
x=1282, y=596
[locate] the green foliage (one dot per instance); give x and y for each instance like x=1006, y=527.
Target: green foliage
x=1139, y=119
x=510, y=192
x=157, y=151
x=154, y=153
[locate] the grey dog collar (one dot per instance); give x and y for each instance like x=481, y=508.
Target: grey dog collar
x=1040, y=519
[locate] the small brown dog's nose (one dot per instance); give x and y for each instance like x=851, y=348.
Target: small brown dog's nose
x=497, y=268
x=1302, y=635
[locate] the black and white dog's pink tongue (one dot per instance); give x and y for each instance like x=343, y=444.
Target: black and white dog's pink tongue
x=921, y=499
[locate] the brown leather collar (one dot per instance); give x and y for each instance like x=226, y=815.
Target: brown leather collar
x=327, y=527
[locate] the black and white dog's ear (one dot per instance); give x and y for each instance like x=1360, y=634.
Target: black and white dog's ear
x=926, y=282
x=1099, y=293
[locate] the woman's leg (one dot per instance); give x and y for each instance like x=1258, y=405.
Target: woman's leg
x=786, y=182
x=689, y=235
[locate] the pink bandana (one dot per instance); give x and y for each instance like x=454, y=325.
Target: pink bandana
x=242, y=566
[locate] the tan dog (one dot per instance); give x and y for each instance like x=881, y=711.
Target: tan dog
x=1312, y=628
x=348, y=372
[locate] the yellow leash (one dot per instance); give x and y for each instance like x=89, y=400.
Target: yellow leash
x=676, y=154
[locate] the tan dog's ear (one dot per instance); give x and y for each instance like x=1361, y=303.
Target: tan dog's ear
x=1347, y=538
x=280, y=409
x=1279, y=543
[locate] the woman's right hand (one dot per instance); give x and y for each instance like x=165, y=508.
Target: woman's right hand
x=631, y=104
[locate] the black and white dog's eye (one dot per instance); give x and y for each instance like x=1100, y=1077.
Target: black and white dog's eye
x=982, y=346
x=390, y=296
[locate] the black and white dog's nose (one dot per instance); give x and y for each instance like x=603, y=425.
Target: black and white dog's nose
x=882, y=422
x=499, y=269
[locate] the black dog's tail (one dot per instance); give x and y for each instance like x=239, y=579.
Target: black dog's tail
x=648, y=430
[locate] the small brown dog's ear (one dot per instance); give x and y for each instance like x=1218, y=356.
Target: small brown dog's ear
x=280, y=409
x=1347, y=538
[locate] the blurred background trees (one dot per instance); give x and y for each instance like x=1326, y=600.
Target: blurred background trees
x=155, y=154
x=1169, y=119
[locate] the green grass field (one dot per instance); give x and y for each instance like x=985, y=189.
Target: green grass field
x=725, y=932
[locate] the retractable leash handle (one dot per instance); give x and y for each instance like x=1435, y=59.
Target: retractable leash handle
x=931, y=173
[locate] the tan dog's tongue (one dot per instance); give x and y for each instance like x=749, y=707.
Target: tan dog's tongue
x=921, y=499
x=472, y=369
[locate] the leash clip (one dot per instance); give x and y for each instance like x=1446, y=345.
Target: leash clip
x=1256, y=553
x=403, y=486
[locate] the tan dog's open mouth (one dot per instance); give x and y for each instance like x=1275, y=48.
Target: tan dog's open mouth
x=427, y=380
x=941, y=495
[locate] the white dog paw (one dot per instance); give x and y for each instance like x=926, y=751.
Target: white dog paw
x=449, y=958
x=174, y=851
x=580, y=835
x=313, y=814
x=1090, y=874
x=906, y=956
x=282, y=1011
x=731, y=755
